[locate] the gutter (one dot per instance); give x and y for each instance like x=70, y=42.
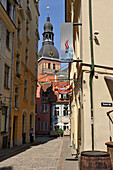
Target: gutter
x=92, y=72
x=12, y=71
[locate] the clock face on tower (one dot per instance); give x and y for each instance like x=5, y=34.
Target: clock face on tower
x=51, y=54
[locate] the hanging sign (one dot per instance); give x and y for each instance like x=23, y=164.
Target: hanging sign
x=66, y=42
x=62, y=88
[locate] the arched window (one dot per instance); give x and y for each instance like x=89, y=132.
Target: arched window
x=54, y=66
x=48, y=65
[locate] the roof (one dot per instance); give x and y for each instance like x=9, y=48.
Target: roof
x=48, y=50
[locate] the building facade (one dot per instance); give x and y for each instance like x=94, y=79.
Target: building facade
x=7, y=32
x=25, y=72
x=60, y=110
x=92, y=45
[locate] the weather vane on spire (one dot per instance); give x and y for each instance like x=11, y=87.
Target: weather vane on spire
x=48, y=10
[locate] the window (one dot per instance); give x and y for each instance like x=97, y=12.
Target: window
x=32, y=94
x=27, y=28
x=8, y=7
x=36, y=108
x=28, y=4
x=4, y=119
x=26, y=57
x=18, y=63
x=56, y=111
x=19, y=30
x=54, y=66
x=25, y=89
x=56, y=127
x=63, y=96
x=16, y=97
x=48, y=65
x=44, y=108
x=36, y=22
x=44, y=126
x=44, y=96
x=36, y=69
x=7, y=38
x=6, y=77
x=65, y=111
x=36, y=45
x=20, y=3
x=66, y=127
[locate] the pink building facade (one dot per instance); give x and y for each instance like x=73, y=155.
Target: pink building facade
x=42, y=112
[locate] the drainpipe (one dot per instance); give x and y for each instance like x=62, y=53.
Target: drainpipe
x=92, y=72
x=12, y=70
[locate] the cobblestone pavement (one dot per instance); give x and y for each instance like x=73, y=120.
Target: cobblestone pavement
x=51, y=154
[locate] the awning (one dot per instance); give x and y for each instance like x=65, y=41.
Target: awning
x=109, y=82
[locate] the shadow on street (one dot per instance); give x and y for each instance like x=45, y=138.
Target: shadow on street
x=6, y=168
x=19, y=149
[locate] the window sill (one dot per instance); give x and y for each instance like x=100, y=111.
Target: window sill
x=4, y=132
x=32, y=102
x=7, y=88
x=44, y=112
x=16, y=108
x=8, y=48
x=25, y=99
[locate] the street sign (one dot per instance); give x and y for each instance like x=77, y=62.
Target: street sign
x=106, y=104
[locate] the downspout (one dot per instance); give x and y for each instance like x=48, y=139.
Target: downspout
x=12, y=70
x=92, y=72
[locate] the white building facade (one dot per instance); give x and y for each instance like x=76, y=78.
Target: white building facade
x=90, y=125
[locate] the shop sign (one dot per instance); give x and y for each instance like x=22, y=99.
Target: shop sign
x=62, y=88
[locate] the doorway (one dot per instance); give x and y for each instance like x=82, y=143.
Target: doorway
x=15, y=125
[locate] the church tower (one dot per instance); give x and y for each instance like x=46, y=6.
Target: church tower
x=48, y=61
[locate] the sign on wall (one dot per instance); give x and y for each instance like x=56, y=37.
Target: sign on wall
x=66, y=42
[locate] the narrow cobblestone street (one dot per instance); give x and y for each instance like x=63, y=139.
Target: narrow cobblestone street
x=50, y=154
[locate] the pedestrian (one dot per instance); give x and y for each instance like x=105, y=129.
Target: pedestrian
x=31, y=135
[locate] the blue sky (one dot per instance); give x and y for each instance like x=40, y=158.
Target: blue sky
x=57, y=16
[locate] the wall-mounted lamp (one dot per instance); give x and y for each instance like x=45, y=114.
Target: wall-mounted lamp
x=96, y=32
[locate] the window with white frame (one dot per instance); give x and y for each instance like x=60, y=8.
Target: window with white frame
x=43, y=126
x=56, y=111
x=65, y=110
x=44, y=108
x=66, y=126
x=63, y=96
x=6, y=77
x=56, y=127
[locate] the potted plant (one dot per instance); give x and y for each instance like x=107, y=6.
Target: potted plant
x=60, y=132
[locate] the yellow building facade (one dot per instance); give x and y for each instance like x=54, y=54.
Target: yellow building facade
x=25, y=72
x=7, y=31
